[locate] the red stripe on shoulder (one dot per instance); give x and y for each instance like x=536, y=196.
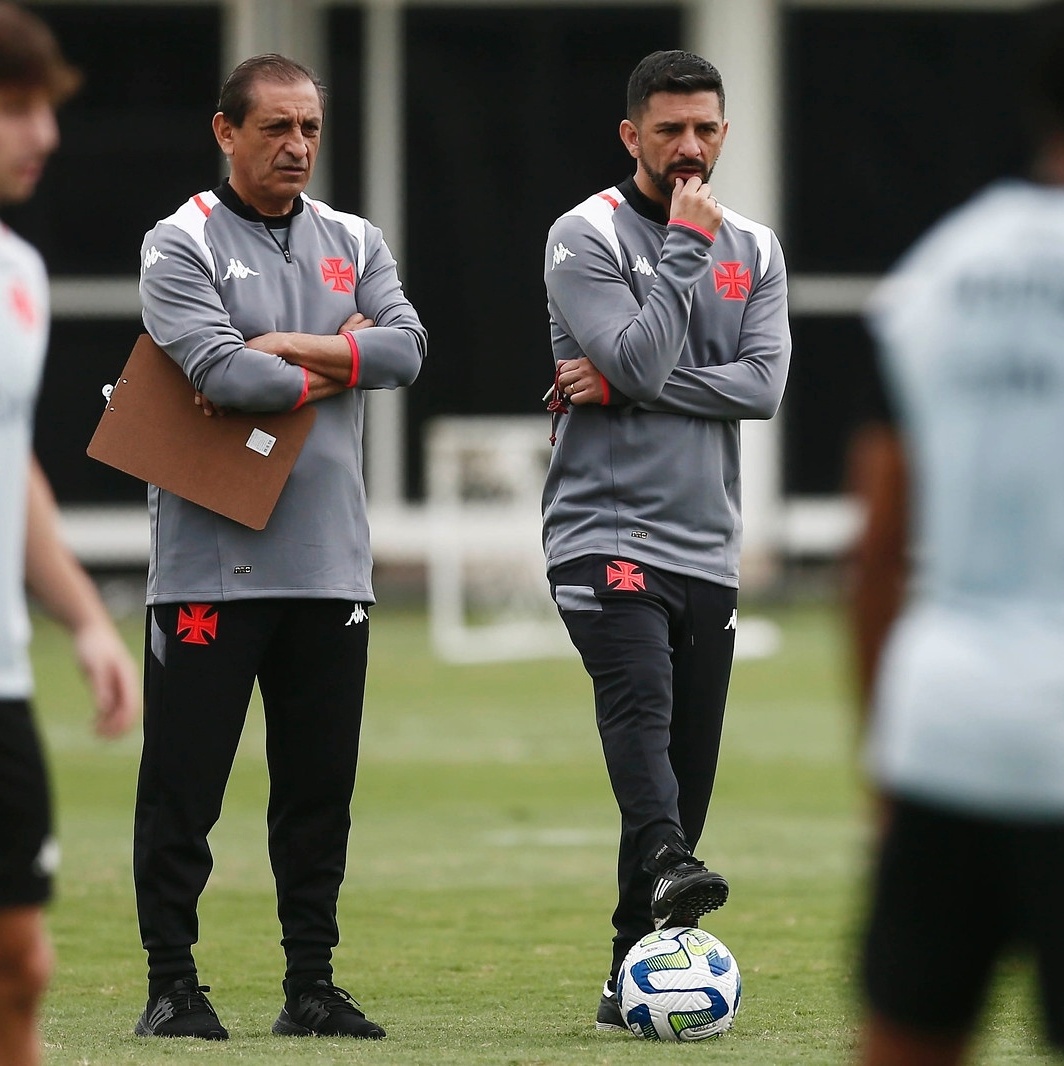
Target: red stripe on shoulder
x=198, y=201
x=609, y=199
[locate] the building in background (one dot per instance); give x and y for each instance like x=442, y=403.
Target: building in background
x=462, y=129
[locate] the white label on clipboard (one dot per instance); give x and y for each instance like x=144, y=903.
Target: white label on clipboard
x=260, y=441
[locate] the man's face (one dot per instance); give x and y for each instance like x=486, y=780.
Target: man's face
x=28, y=136
x=678, y=135
x=272, y=154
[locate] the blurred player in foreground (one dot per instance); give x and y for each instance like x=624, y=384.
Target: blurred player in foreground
x=965, y=678
x=34, y=79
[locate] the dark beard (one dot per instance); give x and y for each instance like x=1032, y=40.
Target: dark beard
x=665, y=184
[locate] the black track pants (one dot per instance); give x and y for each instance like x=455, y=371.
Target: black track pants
x=658, y=648
x=201, y=662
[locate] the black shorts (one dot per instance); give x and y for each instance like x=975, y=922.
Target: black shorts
x=28, y=853
x=951, y=894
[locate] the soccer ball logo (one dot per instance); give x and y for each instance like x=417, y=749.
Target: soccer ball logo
x=679, y=984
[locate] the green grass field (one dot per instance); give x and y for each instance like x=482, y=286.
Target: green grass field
x=475, y=914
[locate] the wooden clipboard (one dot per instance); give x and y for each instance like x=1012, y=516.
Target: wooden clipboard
x=235, y=464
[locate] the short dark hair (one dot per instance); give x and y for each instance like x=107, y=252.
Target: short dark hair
x=671, y=72
x=30, y=56
x=1042, y=73
x=235, y=99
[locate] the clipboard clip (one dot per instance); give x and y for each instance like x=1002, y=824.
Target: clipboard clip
x=108, y=390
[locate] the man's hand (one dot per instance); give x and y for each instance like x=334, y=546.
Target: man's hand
x=355, y=322
x=693, y=201
x=208, y=407
x=69, y=595
x=112, y=676
x=580, y=381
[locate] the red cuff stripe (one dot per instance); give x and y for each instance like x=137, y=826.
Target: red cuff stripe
x=355, y=360
x=306, y=389
x=605, y=390
x=690, y=225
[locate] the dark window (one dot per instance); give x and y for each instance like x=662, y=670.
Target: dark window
x=512, y=118
x=83, y=357
x=136, y=141
x=830, y=391
x=343, y=117
x=891, y=117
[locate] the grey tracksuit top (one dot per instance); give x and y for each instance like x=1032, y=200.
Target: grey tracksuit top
x=691, y=335
x=212, y=276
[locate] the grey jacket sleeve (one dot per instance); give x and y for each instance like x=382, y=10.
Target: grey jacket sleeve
x=183, y=312
x=392, y=350
x=635, y=348
x=751, y=386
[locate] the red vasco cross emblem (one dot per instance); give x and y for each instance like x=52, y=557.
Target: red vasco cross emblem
x=732, y=280
x=624, y=577
x=197, y=623
x=342, y=277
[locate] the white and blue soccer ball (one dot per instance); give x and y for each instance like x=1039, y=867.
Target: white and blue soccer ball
x=679, y=984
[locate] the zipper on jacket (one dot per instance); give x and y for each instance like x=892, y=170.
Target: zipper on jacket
x=283, y=247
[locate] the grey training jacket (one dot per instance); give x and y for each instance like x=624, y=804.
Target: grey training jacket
x=691, y=336
x=212, y=275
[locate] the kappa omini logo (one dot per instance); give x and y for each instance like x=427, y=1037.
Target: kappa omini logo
x=358, y=615
x=197, y=622
x=625, y=577
x=733, y=622
x=238, y=270
x=153, y=255
x=641, y=266
x=732, y=280
x=334, y=272
x=561, y=253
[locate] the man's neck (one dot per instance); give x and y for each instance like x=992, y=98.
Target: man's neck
x=233, y=200
x=647, y=187
x=643, y=204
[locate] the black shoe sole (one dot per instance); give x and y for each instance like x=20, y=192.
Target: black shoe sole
x=141, y=1029
x=686, y=911
x=286, y=1027
x=282, y=1027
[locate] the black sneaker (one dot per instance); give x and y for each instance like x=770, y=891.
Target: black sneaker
x=684, y=892
x=183, y=1009
x=325, y=1010
x=609, y=1018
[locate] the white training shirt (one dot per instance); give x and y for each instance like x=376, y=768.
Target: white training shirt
x=24, y=333
x=970, y=700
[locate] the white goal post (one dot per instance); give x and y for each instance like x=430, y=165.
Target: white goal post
x=488, y=595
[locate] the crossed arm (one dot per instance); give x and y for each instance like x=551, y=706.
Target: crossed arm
x=327, y=360
x=276, y=371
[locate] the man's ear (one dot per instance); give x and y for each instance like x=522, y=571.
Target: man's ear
x=630, y=137
x=223, y=132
